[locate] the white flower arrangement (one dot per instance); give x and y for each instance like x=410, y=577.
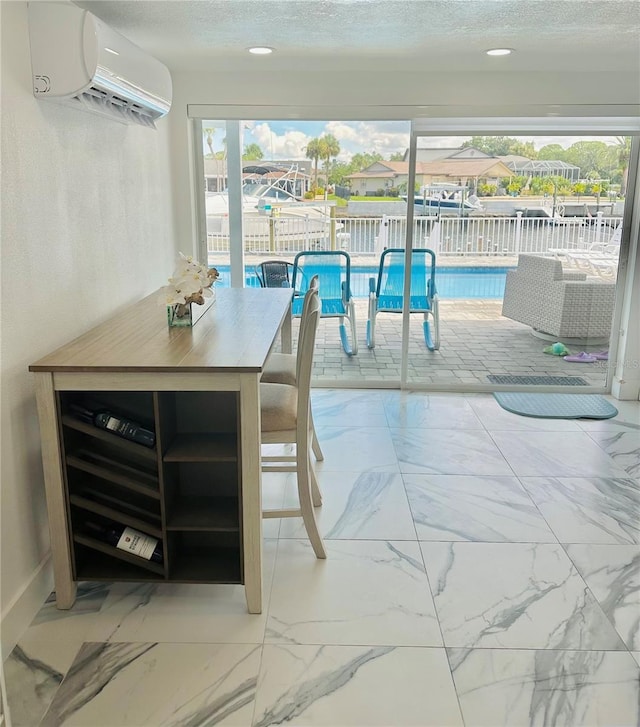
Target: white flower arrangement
x=190, y=283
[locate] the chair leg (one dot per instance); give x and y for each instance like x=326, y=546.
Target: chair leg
x=371, y=323
x=435, y=314
x=316, y=495
x=354, y=333
x=350, y=346
x=427, y=333
x=306, y=504
x=344, y=338
x=315, y=444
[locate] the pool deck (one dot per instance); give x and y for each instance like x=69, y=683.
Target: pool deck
x=476, y=341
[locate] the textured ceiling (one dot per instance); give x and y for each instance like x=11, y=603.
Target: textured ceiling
x=436, y=35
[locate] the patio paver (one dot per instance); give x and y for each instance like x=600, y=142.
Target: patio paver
x=476, y=341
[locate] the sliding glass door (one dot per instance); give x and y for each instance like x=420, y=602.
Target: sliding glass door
x=527, y=230
x=520, y=230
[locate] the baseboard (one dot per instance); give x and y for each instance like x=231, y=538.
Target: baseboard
x=23, y=608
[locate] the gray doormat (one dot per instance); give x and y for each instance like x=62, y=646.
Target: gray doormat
x=537, y=380
x=556, y=406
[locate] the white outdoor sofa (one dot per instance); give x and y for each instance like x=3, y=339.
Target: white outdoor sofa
x=558, y=305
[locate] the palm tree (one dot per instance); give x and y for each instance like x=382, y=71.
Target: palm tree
x=329, y=147
x=312, y=151
x=208, y=135
x=624, y=153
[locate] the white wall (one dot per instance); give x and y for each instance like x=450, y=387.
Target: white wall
x=87, y=228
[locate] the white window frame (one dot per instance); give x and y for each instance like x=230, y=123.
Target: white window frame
x=521, y=120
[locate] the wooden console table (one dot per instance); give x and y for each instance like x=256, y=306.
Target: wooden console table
x=198, y=489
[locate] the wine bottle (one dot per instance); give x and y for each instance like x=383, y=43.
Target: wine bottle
x=127, y=539
x=125, y=428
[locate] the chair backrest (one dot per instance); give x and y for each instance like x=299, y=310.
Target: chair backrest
x=390, y=281
x=333, y=268
x=274, y=274
x=306, y=346
x=314, y=287
x=612, y=245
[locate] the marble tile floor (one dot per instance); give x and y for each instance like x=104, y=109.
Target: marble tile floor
x=483, y=569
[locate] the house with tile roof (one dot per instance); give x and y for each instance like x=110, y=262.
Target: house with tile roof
x=434, y=154
x=383, y=175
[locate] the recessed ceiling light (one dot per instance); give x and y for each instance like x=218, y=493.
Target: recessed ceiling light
x=261, y=50
x=499, y=51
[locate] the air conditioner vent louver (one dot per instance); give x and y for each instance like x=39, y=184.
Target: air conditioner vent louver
x=114, y=107
x=70, y=63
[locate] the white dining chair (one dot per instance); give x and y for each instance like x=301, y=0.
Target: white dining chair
x=281, y=369
x=286, y=419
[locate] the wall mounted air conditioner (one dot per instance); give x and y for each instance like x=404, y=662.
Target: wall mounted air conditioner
x=75, y=57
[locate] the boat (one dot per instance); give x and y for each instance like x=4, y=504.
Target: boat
x=273, y=210
x=437, y=198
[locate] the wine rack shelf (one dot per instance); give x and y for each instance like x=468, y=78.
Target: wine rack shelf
x=74, y=423
x=202, y=448
x=207, y=514
x=185, y=492
x=95, y=565
x=114, y=471
x=118, y=554
x=114, y=515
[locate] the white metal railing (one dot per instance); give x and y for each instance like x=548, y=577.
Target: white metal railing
x=451, y=236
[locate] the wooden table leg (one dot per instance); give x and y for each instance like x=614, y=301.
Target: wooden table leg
x=251, y=489
x=54, y=489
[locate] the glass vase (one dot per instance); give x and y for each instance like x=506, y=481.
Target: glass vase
x=185, y=315
x=180, y=315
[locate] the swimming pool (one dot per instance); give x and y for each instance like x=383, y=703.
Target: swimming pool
x=452, y=282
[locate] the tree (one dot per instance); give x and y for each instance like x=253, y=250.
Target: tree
x=523, y=149
x=339, y=171
x=312, y=152
x=397, y=157
x=208, y=135
x=624, y=153
x=328, y=147
x=552, y=152
x=252, y=152
x=591, y=157
x=501, y=146
x=362, y=160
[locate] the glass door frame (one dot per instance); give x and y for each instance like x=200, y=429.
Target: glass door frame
x=561, y=124
x=549, y=126
x=234, y=172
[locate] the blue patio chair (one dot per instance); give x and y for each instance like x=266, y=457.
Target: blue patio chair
x=386, y=292
x=334, y=274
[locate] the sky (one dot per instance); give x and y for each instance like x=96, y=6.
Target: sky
x=288, y=139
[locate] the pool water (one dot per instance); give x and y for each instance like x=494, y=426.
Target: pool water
x=451, y=282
